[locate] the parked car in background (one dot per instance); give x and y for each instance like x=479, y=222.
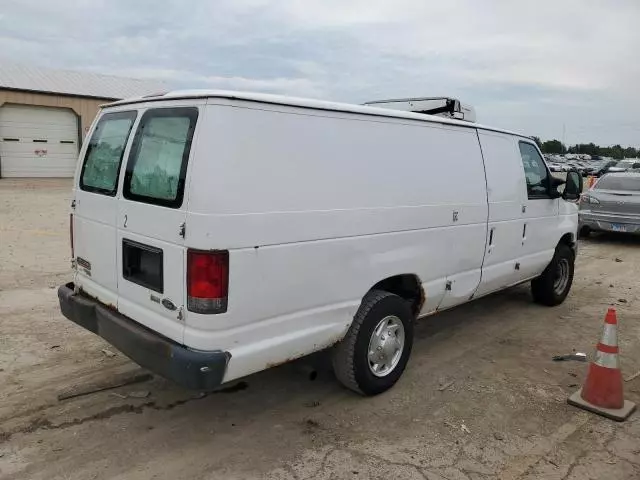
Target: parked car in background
x=604, y=168
x=576, y=165
x=629, y=164
x=587, y=168
x=613, y=204
x=618, y=167
x=554, y=167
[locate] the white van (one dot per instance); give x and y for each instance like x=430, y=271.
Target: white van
x=216, y=234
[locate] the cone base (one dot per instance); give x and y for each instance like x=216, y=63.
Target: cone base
x=617, y=414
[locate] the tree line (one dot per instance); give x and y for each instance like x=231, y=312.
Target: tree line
x=615, y=151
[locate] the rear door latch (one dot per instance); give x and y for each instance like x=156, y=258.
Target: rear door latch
x=183, y=229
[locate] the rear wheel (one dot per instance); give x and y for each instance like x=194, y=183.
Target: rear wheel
x=375, y=351
x=552, y=287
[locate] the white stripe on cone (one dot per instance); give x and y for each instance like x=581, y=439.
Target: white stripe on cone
x=607, y=360
x=609, y=335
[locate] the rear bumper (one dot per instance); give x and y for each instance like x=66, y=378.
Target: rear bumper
x=609, y=223
x=192, y=369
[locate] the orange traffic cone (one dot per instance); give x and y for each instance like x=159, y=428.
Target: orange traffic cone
x=602, y=391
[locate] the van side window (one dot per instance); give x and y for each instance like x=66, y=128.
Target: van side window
x=157, y=163
x=104, y=153
x=535, y=171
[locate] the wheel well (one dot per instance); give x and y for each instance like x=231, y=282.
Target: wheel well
x=407, y=286
x=568, y=240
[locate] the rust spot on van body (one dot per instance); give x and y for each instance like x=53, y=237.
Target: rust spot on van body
x=421, y=301
x=110, y=306
x=316, y=348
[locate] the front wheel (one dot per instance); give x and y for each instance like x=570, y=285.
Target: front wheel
x=374, y=352
x=552, y=287
x=584, y=232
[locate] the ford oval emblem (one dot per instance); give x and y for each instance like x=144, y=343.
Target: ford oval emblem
x=168, y=304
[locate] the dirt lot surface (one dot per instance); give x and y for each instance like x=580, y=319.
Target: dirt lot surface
x=480, y=399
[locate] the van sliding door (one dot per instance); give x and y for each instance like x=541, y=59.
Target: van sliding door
x=505, y=193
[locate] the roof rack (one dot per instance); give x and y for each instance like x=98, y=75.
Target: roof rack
x=440, y=106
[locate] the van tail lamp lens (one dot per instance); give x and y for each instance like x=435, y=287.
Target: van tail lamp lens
x=207, y=281
x=71, y=235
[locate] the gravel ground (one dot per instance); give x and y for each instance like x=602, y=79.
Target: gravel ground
x=480, y=399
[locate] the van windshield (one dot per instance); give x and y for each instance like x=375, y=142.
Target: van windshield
x=157, y=164
x=104, y=153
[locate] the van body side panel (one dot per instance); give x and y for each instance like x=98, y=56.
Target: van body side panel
x=506, y=189
x=316, y=208
x=466, y=243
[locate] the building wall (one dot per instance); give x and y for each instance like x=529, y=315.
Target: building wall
x=85, y=108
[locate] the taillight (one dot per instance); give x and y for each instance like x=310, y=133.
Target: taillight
x=207, y=281
x=71, y=235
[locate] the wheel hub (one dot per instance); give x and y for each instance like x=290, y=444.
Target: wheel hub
x=561, y=277
x=386, y=346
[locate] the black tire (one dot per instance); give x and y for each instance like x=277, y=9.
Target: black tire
x=351, y=356
x=584, y=232
x=546, y=289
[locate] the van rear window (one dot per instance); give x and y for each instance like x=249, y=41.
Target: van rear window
x=104, y=153
x=157, y=163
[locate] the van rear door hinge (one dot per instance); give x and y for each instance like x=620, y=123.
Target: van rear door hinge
x=183, y=229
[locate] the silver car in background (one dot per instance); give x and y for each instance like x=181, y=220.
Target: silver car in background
x=612, y=205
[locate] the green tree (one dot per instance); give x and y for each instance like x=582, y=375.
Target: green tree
x=630, y=152
x=553, y=146
x=587, y=148
x=617, y=152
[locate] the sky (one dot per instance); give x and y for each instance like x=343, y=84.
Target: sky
x=565, y=69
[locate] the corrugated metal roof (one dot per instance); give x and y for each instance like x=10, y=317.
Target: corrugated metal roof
x=69, y=82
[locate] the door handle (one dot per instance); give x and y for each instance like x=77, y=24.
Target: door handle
x=491, y=233
x=524, y=233
x=125, y=221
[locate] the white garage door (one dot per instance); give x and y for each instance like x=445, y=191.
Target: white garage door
x=37, y=141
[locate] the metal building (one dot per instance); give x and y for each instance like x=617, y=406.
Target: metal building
x=44, y=115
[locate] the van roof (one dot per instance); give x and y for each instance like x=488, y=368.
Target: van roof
x=305, y=103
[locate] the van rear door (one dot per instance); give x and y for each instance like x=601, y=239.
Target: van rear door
x=151, y=220
x=95, y=206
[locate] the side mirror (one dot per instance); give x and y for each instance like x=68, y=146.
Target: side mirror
x=573, y=186
x=554, y=191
